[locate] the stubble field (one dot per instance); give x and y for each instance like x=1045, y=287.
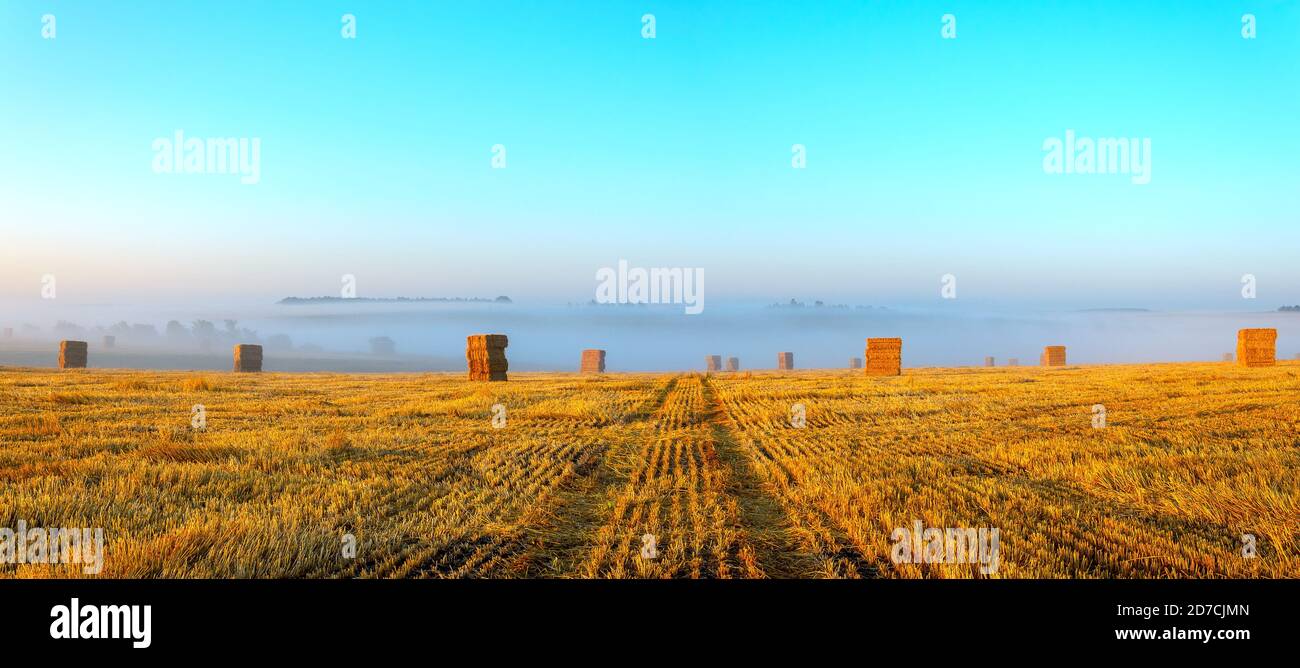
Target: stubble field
x=568, y=474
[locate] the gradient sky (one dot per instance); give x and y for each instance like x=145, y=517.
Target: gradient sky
x=924, y=154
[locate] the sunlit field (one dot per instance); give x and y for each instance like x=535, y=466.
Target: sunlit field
x=570, y=473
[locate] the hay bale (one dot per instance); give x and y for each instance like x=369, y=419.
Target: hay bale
x=733, y=364
x=1053, y=356
x=1013, y=361
x=110, y=341
x=988, y=361
x=785, y=361
x=383, y=346
x=486, y=356
x=884, y=357
x=593, y=361
x=713, y=362
x=9, y=332
x=1257, y=347
x=855, y=362
x=1227, y=357
x=72, y=354
x=248, y=358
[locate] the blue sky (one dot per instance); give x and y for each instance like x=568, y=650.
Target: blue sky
x=924, y=154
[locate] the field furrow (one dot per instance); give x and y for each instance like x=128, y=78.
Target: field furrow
x=675, y=516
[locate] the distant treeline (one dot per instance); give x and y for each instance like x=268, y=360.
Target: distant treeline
x=203, y=332
x=794, y=303
x=332, y=300
x=1289, y=308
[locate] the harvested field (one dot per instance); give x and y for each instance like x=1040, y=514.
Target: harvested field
x=1192, y=457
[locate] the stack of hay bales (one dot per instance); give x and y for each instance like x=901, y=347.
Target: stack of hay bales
x=1257, y=347
x=785, y=361
x=1227, y=357
x=733, y=364
x=248, y=358
x=1013, y=361
x=9, y=332
x=855, y=362
x=72, y=354
x=988, y=361
x=1053, y=356
x=713, y=362
x=110, y=341
x=1297, y=356
x=885, y=357
x=593, y=361
x=486, y=354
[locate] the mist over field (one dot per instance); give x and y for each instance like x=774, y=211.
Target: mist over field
x=549, y=336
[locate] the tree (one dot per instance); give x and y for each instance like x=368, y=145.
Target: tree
x=176, y=332
x=279, y=342
x=143, y=331
x=204, y=329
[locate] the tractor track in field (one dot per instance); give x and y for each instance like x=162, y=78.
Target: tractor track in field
x=563, y=540
x=512, y=554
x=559, y=476
x=677, y=493
x=768, y=449
x=762, y=515
x=477, y=551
